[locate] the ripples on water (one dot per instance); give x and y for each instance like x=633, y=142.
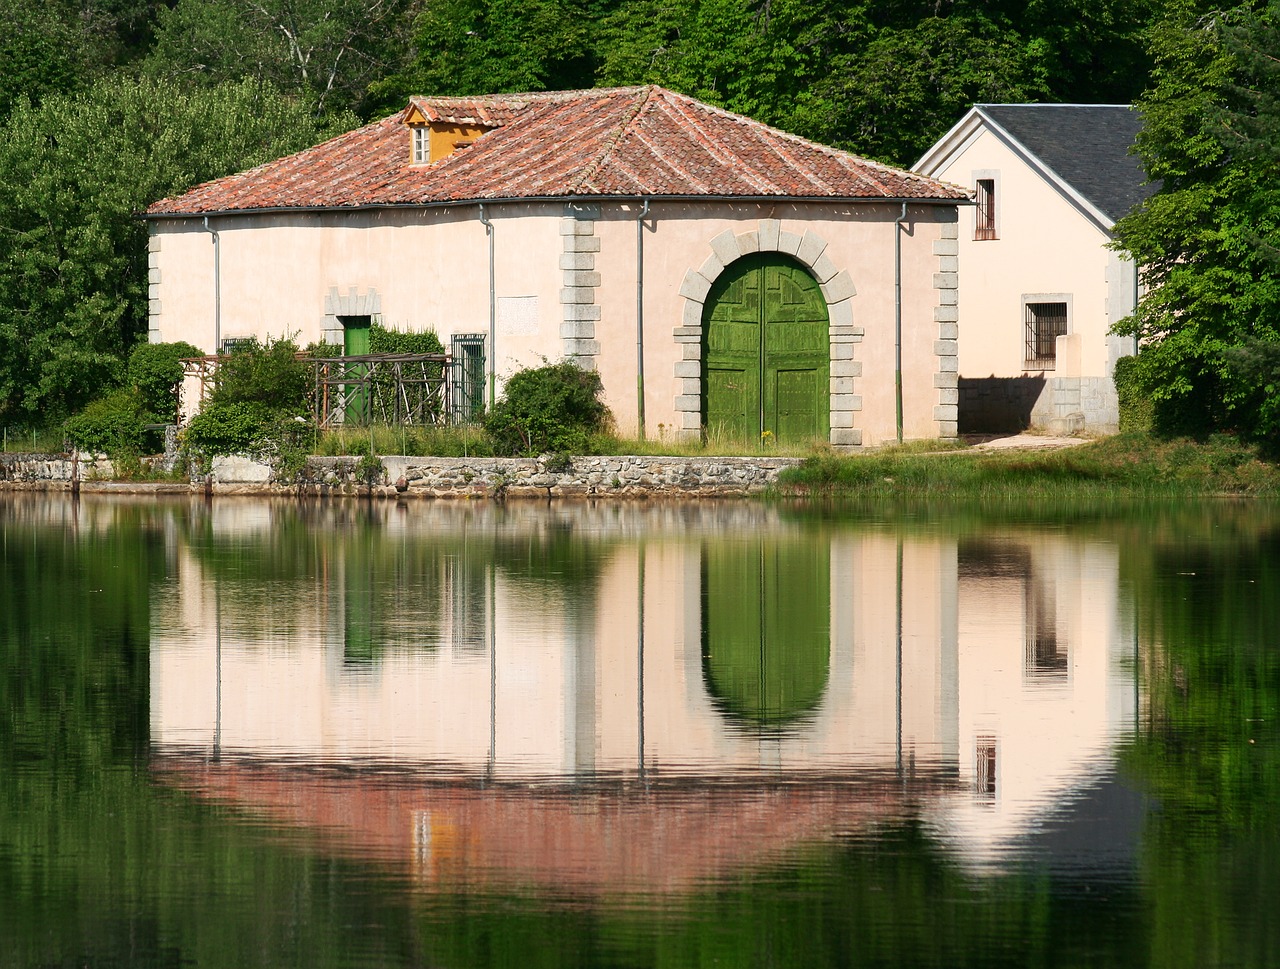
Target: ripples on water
x=251, y=733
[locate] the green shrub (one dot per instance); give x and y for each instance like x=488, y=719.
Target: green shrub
x=109, y=425
x=154, y=373
x=382, y=340
x=267, y=374
x=554, y=408
x=228, y=427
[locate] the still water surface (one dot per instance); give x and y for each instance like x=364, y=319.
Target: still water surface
x=247, y=733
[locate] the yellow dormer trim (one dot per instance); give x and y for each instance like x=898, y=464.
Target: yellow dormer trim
x=415, y=116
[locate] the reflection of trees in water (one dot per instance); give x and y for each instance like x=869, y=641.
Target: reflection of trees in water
x=389, y=588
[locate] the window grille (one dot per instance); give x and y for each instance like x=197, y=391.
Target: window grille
x=1045, y=322
x=985, y=227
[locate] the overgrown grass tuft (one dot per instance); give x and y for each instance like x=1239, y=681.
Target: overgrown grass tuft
x=1133, y=464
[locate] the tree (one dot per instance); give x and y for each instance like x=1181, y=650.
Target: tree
x=1209, y=239
x=75, y=172
x=326, y=51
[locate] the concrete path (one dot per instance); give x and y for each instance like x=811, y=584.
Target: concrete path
x=1021, y=442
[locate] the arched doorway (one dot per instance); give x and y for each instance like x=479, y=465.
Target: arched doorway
x=766, y=352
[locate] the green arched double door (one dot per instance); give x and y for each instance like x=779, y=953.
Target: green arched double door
x=766, y=352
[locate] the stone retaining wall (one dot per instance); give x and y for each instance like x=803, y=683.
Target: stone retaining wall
x=432, y=477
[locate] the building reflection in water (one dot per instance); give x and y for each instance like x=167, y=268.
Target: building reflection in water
x=630, y=697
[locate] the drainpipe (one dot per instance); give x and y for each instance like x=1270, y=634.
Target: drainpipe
x=217, y=286
x=897, y=315
x=644, y=211
x=492, y=361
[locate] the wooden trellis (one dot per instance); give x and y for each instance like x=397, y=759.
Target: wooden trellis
x=375, y=388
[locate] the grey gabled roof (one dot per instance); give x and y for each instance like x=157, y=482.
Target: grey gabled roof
x=1087, y=145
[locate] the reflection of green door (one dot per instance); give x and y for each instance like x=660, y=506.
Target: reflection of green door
x=355, y=343
x=766, y=629
x=766, y=352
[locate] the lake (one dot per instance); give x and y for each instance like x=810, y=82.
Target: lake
x=242, y=732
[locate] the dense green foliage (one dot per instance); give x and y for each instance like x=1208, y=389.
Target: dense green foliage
x=75, y=171
x=155, y=371
x=1209, y=240
x=108, y=425
x=549, y=409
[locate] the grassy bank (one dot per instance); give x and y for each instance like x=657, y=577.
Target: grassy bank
x=1124, y=466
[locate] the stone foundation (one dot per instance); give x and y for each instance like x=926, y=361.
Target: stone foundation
x=431, y=477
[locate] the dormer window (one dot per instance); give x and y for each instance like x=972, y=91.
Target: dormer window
x=433, y=137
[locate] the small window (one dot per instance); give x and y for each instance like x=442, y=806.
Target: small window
x=421, y=144
x=985, y=227
x=1045, y=322
x=984, y=780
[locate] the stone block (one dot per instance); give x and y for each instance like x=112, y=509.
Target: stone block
x=842, y=351
x=581, y=277
x=577, y=260
x=823, y=268
x=950, y=230
x=948, y=297
x=839, y=287
x=945, y=280
x=691, y=350
x=153, y=307
x=840, y=314
x=811, y=247
x=711, y=267
x=949, y=264
x=748, y=242
x=946, y=348
x=789, y=243
x=689, y=368
x=842, y=385
x=948, y=430
x=153, y=277
x=577, y=227
x=690, y=386
x=846, y=368
x=581, y=348
x=581, y=244
x=577, y=294
x=687, y=334
x=580, y=311
x=691, y=314
x=725, y=247
x=949, y=395
x=769, y=231
x=948, y=364
x=577, y=330
x=689, y=403
x=946, y=247
x=695, y=286
x=944, y=412
x=843, y=402
x=948, y=331
x=846, y=437
x=153, y=242
x=842, y=418
x=946, y=314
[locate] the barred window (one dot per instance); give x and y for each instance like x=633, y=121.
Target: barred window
x=1045, y=322
x=985, y=227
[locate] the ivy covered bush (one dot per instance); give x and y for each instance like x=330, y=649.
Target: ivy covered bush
x=549, y=409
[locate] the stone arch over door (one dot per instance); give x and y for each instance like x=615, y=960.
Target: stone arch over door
x=836, y=286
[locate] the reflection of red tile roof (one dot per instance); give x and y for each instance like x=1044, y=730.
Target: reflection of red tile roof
x=628, y=142
x=608, y=838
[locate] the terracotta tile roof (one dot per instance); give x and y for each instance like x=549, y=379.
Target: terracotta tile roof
x=628, y=142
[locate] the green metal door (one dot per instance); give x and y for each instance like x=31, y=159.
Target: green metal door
x=355, y=343
x=766, y=352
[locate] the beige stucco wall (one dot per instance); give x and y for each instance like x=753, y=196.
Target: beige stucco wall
x=1045, y=245
x=281, y=274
